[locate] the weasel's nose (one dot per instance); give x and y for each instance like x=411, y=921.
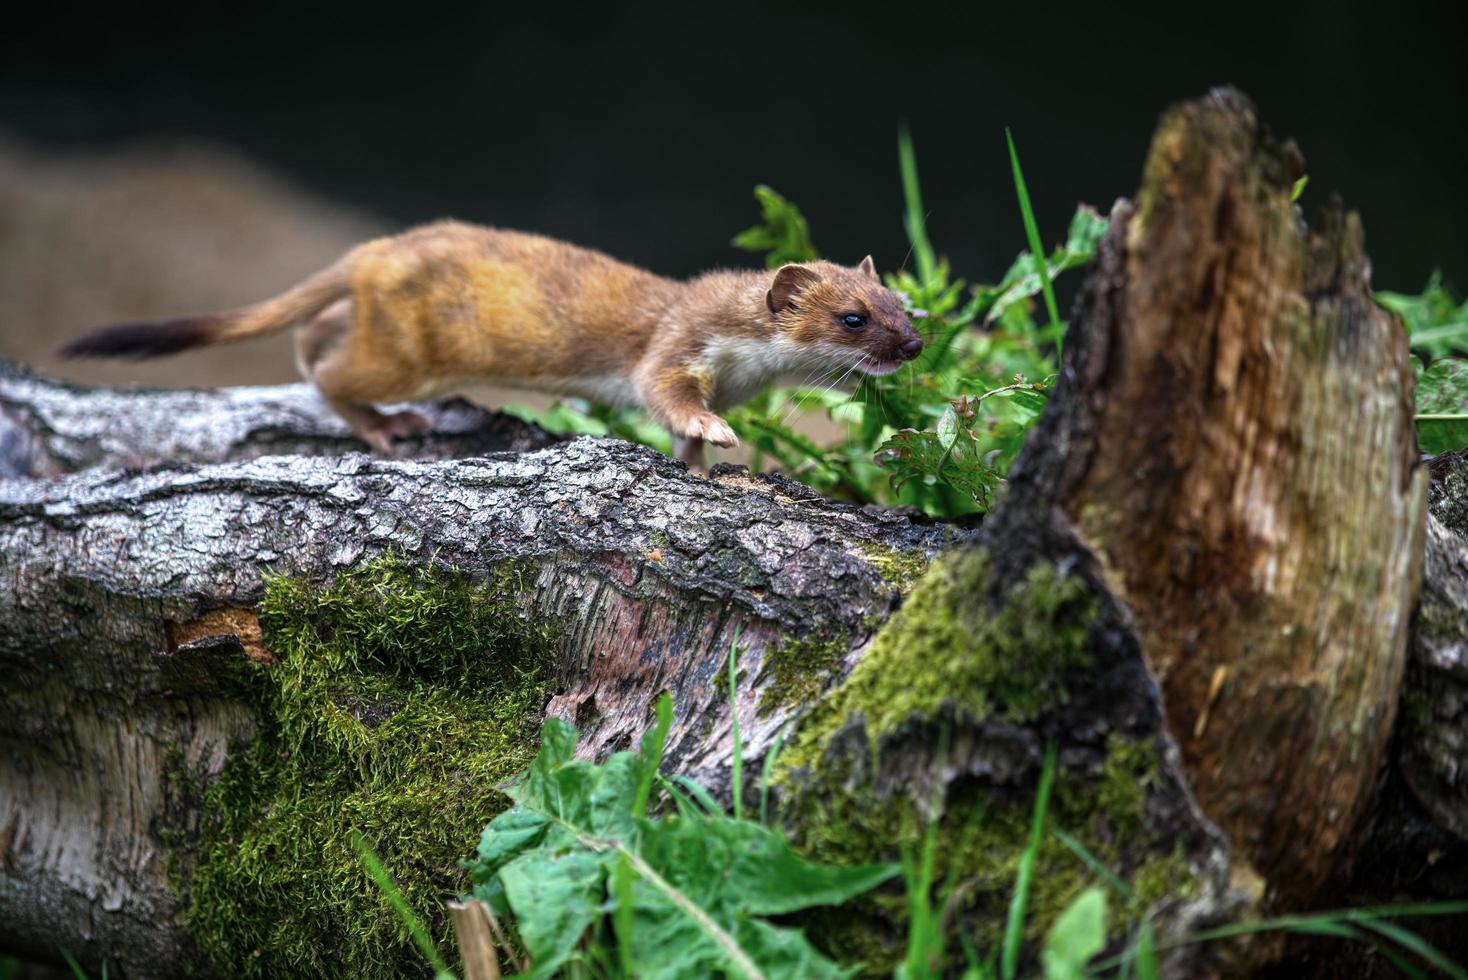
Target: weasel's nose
x=912, y=348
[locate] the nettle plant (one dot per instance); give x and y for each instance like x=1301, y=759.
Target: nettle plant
x=941, y=433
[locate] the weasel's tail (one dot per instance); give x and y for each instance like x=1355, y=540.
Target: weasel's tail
x=172, y=336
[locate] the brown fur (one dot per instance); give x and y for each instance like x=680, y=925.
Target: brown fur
x=405, y=317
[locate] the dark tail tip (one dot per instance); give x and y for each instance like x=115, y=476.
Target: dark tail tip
x=145, y=339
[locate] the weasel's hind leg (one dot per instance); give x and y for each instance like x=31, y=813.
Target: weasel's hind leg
x=350, y=382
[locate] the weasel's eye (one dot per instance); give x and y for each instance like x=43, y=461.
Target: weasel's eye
x=854, y=321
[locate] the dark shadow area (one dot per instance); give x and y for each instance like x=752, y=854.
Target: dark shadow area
x=641, y=129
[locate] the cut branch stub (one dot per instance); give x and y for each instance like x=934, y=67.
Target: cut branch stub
x=1236, y=446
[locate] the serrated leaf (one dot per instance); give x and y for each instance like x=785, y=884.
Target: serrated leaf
x=1442, y=405
x=1077, y=934
x=784, y=233
x=952, y=454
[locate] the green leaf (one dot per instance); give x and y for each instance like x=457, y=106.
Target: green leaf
x=1078, y=934
x=786, y=953
x=951, y=455
x=783, y=233
x=1436, y=323
x=1442, y=405
x=1299, y=188
x=509, y=835
x=573, y=863
x=748, y=867
x=555, y=898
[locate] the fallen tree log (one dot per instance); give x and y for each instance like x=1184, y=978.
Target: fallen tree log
x=1198, y=589
x=48, y=427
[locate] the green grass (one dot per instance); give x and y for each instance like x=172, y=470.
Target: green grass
x=400, y=906
x=1032, y=234
x=1019, y=905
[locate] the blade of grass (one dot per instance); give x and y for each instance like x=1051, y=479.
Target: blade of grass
x=702, y=795
x=1342, y=930
x=1359, y=916
x=399, y=905
x=76, y=968
x=1090, y=860
x=652, y=747
x=680, y=799
x=1014, y=927
x=1147, y=966
x=765, y=774
x=622, y=913
x=1410, y=941
x=1037, y=250
x=913, y=218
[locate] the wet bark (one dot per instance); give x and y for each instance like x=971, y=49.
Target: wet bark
x=1228, y=460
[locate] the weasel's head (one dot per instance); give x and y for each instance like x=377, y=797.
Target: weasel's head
x=845, y=314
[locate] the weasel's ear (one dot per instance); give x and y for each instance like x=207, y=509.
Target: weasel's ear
x=790, y=282
x=868, y=268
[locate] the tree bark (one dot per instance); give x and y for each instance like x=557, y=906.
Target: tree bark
x=1227, y=468
x=1233, y=441
x=48, y=428
x=124, y=589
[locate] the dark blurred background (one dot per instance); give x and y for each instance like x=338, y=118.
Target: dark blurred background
x=213, y=155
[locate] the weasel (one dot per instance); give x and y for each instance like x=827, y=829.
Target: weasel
x=412, y=315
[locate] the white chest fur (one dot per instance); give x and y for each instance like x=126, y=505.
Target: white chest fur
x=741, y=366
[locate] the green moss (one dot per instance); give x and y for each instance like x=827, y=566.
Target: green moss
x=981, y=836
x=1165, y=876
x=402, y=697
x=799, y=668
x=947, y=658
x=945, y=647
x=899, y=569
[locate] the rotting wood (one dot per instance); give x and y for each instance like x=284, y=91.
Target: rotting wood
x=1233, y=440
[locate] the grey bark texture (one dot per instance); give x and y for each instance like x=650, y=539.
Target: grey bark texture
x=48, y=427
x=121, y=588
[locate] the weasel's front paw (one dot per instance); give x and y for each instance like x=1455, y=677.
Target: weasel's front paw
x=712, y=429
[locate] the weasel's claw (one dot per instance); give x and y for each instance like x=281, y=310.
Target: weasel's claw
x=713, y=429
